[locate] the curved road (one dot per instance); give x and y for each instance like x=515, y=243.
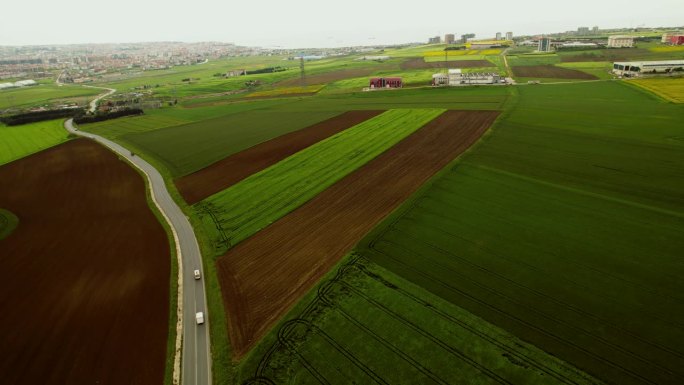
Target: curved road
x=196, y=357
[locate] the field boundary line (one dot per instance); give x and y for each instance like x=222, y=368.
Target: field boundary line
x=626, y=202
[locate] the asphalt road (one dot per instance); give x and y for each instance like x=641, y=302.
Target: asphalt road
x=196, y=356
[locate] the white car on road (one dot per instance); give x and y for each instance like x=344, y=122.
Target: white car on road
x=197, y=274
x=199, y=317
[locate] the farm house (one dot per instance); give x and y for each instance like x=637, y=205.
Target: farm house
x=638, y=68
x=385, y=83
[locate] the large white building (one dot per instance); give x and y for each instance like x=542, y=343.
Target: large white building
x=455, y=77
x=620, y=41
x=639, y=68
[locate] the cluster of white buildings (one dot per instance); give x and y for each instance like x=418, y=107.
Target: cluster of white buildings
x=455, y=77
x=20, y=83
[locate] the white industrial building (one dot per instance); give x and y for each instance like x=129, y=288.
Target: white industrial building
x=20, y=83
x=455, y=77
x=578, y=44
x=639, y=68
x=620, y=41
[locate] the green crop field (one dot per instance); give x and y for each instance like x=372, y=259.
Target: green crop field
x=184, y=139
x=43, y=94
x=155, y=119
x=241, y=210
x=562, y=227
x=599, y=69
x=532, y=59
x=366, y=325
x=19, y=141
x=190, y=147
x=671, y=89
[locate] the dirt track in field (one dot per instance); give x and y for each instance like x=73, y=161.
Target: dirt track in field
x=550, y=71
x=226, y=172
x=420, y=63
x=84, y=293
x=265, y=275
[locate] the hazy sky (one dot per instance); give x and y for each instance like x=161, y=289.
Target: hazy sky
x=311, y=23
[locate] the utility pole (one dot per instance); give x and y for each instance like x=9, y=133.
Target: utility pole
x=301, y=70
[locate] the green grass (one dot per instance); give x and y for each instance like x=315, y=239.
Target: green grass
x=243, y=209
x=563, y=227
x=155, y=119
x=44, y=94
x=8, y=222
x=532, y=59
x=599, y=69
x=23, y=140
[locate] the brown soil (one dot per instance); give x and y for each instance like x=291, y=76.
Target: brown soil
x=84, y=294
x=420, y=63
x=616, y=54
x=330, y=77
x=226, y=172
x=265, y=275
x=550, y=71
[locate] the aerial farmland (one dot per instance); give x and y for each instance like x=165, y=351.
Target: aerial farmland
x=210, y=213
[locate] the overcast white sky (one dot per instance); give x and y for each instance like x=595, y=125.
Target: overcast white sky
x=311, y=23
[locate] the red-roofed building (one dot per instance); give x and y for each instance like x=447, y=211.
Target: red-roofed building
x=385, y=83
x=676, y=39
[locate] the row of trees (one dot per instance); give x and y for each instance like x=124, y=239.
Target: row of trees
x=39, y=116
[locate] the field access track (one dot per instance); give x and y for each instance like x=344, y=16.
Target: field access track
x=263, y=276
x=84, y=294
x=226, y=172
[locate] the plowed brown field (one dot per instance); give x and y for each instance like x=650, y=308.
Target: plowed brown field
x=84, y=294
x=611, y=54
x=262, y=277
x=550, y=71
x=226, y=172
x=420, y=63
x=330, y=77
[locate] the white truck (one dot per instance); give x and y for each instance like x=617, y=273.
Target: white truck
x=199, y=317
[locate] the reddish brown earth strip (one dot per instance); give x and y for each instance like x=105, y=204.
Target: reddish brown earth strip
x=420, y=63
x=550, y=71
x=84, y=292
x=265, y=275
x=610, y=54
x=330, y=77
x=226, y=172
